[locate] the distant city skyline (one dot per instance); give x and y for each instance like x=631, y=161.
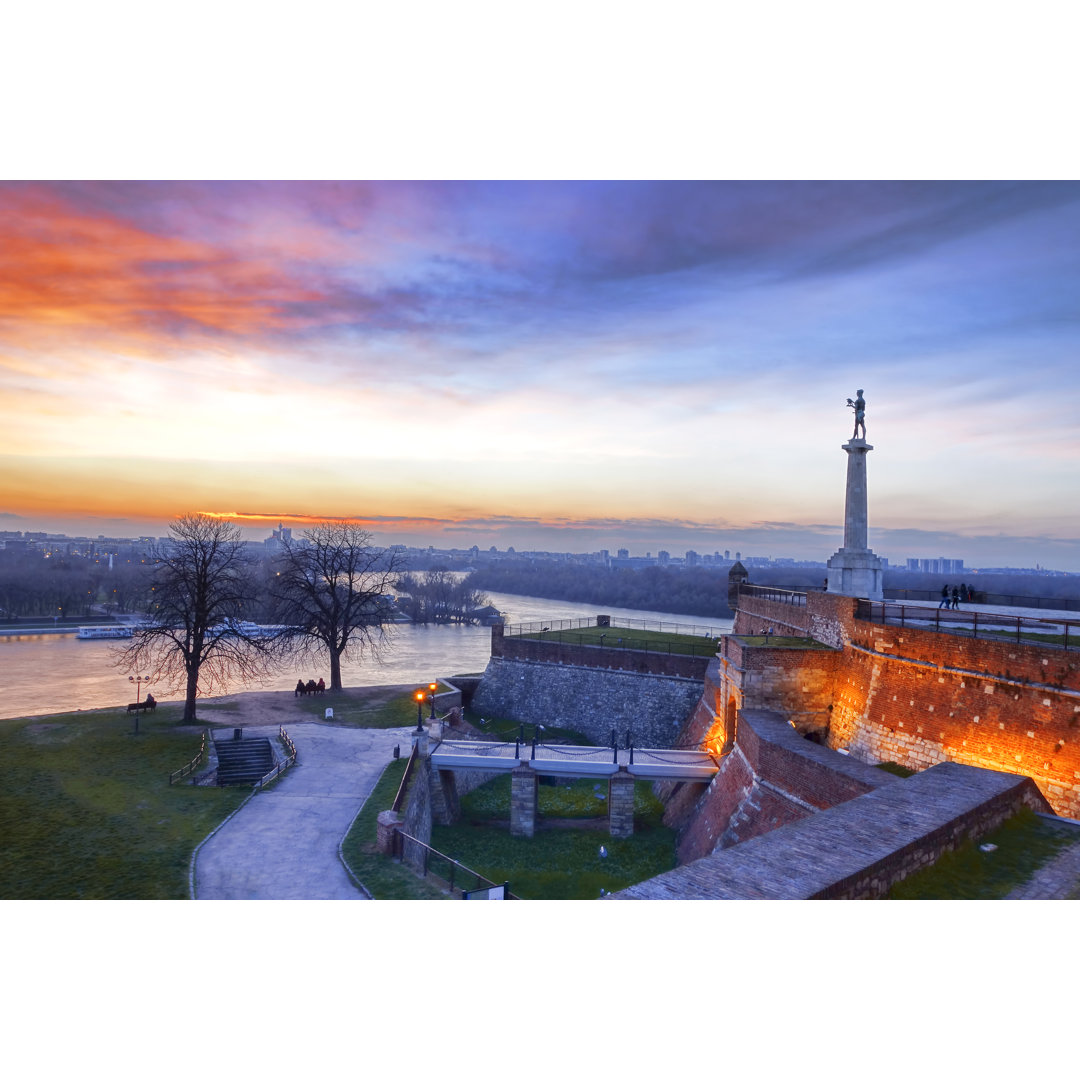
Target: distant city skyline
x=552, y=366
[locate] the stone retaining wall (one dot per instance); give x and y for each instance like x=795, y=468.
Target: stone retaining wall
x=588, y=700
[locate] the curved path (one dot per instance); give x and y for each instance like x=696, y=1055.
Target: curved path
x=283, y=843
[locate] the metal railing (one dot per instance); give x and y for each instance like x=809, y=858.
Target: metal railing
x=656, y=626
x=781, y=596
x=403, y=787
x=979, y=596
x=1056, y=633
x=281, y=766
x=427, y=861
x=609, y=637
x=192, y=765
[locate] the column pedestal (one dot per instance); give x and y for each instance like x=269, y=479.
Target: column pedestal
x=855, y=570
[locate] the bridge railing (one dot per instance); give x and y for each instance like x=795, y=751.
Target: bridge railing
x=1056, y=633
x=426, y=860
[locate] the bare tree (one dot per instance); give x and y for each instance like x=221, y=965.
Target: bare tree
x=203, y=585
x=333, y=590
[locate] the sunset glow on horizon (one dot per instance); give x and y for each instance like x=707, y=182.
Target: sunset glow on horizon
x=567, y=366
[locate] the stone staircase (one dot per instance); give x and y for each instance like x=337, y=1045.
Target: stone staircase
x=243, y=760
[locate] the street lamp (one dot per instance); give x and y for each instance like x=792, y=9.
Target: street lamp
x=432, y=687
x=419, y=695
x=139, y=681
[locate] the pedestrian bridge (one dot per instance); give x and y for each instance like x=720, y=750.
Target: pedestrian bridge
x=575, y=761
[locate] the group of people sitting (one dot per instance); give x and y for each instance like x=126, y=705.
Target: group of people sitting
x=958, y=593
x=309, y=687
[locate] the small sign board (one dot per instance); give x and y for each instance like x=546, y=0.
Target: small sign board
x=492, y=892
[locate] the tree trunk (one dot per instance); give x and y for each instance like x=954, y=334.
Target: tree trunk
x=335, y=670
x=189, y=699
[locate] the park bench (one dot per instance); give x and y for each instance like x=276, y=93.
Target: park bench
x=141, y=706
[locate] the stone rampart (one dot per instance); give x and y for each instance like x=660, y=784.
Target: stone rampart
x=589, y=700
x=771, y=778
x=857, y=850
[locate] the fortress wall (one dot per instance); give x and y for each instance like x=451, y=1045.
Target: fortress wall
x=856, y=850
x=920, y=697
x=589, y=700
x=800, y=683
x=771, y=778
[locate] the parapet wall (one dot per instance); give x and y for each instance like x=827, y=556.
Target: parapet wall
x=640, y=661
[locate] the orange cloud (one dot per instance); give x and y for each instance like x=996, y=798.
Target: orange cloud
x=62, y=269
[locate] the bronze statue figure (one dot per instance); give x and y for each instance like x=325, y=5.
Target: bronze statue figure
x=859, y=405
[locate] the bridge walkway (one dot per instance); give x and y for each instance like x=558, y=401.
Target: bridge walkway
x=575, y=761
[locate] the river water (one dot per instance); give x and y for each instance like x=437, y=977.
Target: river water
x=49, y=673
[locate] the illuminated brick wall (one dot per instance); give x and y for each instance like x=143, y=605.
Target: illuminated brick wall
x=919, y=697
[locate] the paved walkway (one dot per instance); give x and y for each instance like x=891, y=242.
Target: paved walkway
x=283, y=843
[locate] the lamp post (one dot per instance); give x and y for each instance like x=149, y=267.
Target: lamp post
x=419, y=695
x=139, y=681
x=432, y=687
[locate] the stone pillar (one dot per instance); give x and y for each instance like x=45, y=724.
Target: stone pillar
x=621, y=804
x=387, y=824
x=420, y=740
x=855, y=570
x=523, y=796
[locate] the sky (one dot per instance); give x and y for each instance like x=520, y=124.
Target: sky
x=564, y=366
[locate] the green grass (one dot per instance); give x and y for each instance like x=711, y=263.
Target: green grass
x=384, y=878
x=86, y=810
x=618, y=637
x=508, y=730
x=558, y=863
x=895, y=768
x=399, y=711
x=778, y=641
x=1024, y=843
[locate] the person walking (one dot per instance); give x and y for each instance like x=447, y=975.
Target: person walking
x=944, y=597
x=955, y=598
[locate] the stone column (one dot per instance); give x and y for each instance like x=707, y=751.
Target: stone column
x=621, y=804
x=855, y=570
x=523, y=795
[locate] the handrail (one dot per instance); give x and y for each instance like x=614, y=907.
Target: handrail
x=767, y=592
x=281, y=766
x=399, y=850
x=192, y=765
x=974, y=623
x=616, y=622
x=399, y=798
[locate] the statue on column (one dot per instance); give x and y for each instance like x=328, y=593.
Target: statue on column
x=859, y=405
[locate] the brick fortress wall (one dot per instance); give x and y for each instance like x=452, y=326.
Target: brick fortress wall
x=916, y=696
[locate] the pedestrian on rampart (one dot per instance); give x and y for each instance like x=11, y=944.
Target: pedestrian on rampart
x=955, y=597
x=944, y=597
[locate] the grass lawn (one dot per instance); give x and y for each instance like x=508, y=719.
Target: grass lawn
x=508, y=730
x=1024, y=843
x=619, y=637
x=778, y=641
x=397, y=711
x=381, y=876
x=558, y=863
x=86, y=810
